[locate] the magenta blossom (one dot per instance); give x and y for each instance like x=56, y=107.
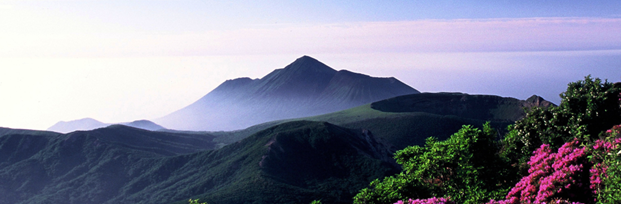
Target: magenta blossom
x=551, y=175
x=427, y=201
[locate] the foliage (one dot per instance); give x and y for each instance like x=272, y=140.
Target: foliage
x=576, y=173
x=588, y=107
x=195, y=202
x=554, y=175
x=466, y=167
x=585, y=173
x=427, y=201
x=607, y=174
x=582, y=168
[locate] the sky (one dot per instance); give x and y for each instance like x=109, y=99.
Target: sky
x=125, y=60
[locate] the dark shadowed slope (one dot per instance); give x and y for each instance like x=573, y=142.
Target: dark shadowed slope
x=303, y=88
x=410, y=119
x=83, y=166
x=11, y=131
x=290, y=163
x=482, y=107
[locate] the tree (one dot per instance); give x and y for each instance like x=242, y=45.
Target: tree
x=606, y=175
x=465, y=167
x=588, y=108
x=468, y=169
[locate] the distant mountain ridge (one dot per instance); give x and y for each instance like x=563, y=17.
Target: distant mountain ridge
x=289, y=163
x=91, y=124
x=303, y=88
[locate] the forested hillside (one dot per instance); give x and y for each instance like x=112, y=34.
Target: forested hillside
x=564, y=154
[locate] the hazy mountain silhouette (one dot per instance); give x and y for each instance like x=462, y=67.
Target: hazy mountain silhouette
x=289, y=163
x=303, y=88
x=91, y=124
x=144, y=124
x=75, y=125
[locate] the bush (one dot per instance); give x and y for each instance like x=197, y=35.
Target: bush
x=587, y=108
x=572, y=160
x=195, y=202
x=554, y=175
x=465, y=167
x=427, y=201
x=606, y=176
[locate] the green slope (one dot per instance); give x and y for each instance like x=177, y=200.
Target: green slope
x=289, y=163
x=83, y=166
x=293, y=162
x=408, y=120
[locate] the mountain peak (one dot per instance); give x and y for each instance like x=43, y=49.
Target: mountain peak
x=308, y=64
x=306, y=58
x=305, y=77
x=535, y=100
x=303, y=88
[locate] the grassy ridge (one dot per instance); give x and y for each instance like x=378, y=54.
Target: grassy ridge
x=302, y=161
x=410, y=119
x=294, y=162
x=291, y=161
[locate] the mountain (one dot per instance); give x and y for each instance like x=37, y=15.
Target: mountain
x=482, y=107
x=74, y=125
x=293, y=162
x=83, y=166
x=91, y=124
x=10, y=131
x=408, y=120
x=144, y=124
x=303, y=88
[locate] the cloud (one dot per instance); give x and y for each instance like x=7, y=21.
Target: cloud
x=460, y=35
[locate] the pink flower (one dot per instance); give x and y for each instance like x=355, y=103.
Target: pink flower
x=550, y=174
x=427, y=201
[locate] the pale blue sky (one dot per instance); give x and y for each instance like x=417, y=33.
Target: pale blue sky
x=122, y=60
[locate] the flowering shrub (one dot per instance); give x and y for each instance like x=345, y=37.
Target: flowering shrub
x=553, y=175
x=563, y=176
x=597, y=172
x=471, y=170
x=427, y=201
x=601, y=149
x=588, y=107
x=606, y=174
x=464, y=167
